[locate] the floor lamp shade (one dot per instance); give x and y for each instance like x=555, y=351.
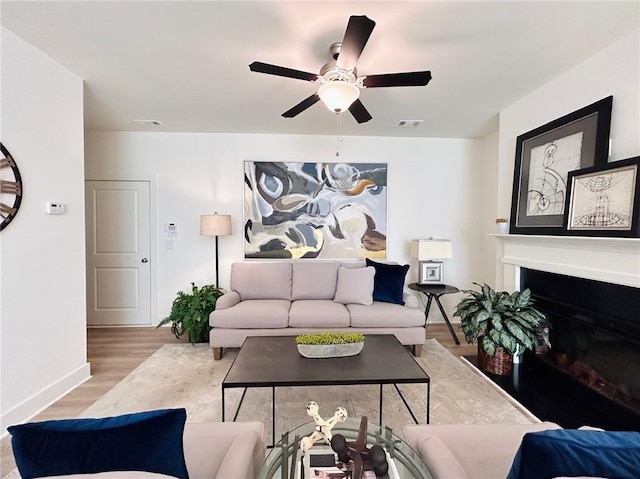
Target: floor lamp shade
x=215, y=225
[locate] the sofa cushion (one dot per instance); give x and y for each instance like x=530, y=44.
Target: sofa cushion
x=572, y=453
x=314, y=279
x=384, y=315
x=318, y=313
x=148, y=441
x=261, y=280
x=253, y=313
x=388, y=283
x=355, y=286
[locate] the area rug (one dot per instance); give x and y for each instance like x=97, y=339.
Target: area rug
x=183, y=375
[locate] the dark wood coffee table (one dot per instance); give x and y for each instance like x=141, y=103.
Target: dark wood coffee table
x=274, y=361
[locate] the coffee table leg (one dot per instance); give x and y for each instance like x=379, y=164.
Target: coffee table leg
x=428, y=399
x=273, y=415
x=406, y=404
x=381, y=404
x=223, y=404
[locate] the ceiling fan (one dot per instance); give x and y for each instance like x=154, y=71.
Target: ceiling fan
x=340, y=83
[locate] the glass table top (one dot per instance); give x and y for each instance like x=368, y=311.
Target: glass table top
x=286, y=461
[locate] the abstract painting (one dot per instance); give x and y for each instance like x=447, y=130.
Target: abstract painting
x=315, y=210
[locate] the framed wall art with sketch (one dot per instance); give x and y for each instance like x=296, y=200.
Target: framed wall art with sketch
x=544, y=158
x=315, y=210
x=604, y=201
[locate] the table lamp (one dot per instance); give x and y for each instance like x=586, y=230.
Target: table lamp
x=429, y=252
x=215, y=225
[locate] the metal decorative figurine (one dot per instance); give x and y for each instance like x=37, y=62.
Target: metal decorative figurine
x=364, y=458
x=323, y=427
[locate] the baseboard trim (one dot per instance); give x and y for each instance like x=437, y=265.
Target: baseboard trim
x=44, y=398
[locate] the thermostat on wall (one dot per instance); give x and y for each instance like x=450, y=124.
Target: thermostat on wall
x=54, y=208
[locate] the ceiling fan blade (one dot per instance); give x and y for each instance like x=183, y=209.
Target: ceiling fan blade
x=281, y=71
x=359, y=112
x=398, y=79
x=355, y=38
x=302, y=106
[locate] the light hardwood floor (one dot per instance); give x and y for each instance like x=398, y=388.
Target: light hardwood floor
x=115, y=352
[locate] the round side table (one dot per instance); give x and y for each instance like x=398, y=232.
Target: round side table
x=434, y=291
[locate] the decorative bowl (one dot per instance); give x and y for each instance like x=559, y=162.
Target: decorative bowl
x=330, y=350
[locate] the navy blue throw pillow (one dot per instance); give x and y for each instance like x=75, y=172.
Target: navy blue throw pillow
x=147, y=441
x=572, y=453
x=388, y=283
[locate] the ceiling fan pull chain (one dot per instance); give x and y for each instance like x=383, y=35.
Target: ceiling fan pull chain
x=339, y=138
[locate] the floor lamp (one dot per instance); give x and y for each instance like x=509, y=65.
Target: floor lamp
x=215, y=225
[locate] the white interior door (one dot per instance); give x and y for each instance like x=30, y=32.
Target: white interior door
x=118, y=247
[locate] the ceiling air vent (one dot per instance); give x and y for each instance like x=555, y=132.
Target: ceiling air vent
x=409, y=123
x=148, y=123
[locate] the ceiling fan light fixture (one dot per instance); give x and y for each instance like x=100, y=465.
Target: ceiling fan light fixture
x=338, y=95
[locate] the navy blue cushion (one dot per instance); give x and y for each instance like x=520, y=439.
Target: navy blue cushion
x=567, y=452
x=388, y=283
x=148, y=441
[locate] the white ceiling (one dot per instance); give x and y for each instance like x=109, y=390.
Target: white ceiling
x=185, y=63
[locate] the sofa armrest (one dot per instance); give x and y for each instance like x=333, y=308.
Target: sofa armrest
x=207, y=444
x=243, y=458
x=439, y=459
x=228, y=300
x=410, y=300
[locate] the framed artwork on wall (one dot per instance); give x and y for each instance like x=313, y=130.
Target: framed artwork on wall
x=315, y=210
x=544, y=158
x=604, y=201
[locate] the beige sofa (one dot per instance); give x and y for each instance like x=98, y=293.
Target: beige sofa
x=295, y=297
x=214, y=450
x=470, y=451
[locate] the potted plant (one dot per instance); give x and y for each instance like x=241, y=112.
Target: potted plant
x=190, y=313
x=329, y=344
x=504, y=324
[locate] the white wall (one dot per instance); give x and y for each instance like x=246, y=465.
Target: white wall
x=42, y=302
x=436, y=188
x=613, y=71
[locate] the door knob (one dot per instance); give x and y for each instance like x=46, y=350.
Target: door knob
x=145, y=260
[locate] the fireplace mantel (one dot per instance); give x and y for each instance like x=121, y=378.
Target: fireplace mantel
x=612, y=260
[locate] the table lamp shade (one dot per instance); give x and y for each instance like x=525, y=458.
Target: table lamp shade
x=430, y=249
x=215, y=225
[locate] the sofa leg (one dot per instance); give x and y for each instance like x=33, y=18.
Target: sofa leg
x=417, y=350
x=217, y=354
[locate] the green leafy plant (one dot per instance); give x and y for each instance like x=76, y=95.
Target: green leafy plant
x=190, y=313
x=500, y=319
x=329, y=338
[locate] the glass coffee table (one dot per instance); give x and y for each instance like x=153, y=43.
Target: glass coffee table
x=285, y=460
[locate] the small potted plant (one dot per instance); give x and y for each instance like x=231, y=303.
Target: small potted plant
x=329, y=344
x=190, y=313
x=504, y=324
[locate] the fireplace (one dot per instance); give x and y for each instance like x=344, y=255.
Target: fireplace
x=589, y=288
x=594, y=329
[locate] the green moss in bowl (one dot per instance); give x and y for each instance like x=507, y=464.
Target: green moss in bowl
x=329, y=338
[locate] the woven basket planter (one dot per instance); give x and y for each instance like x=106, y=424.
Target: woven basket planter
x=501, y=363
